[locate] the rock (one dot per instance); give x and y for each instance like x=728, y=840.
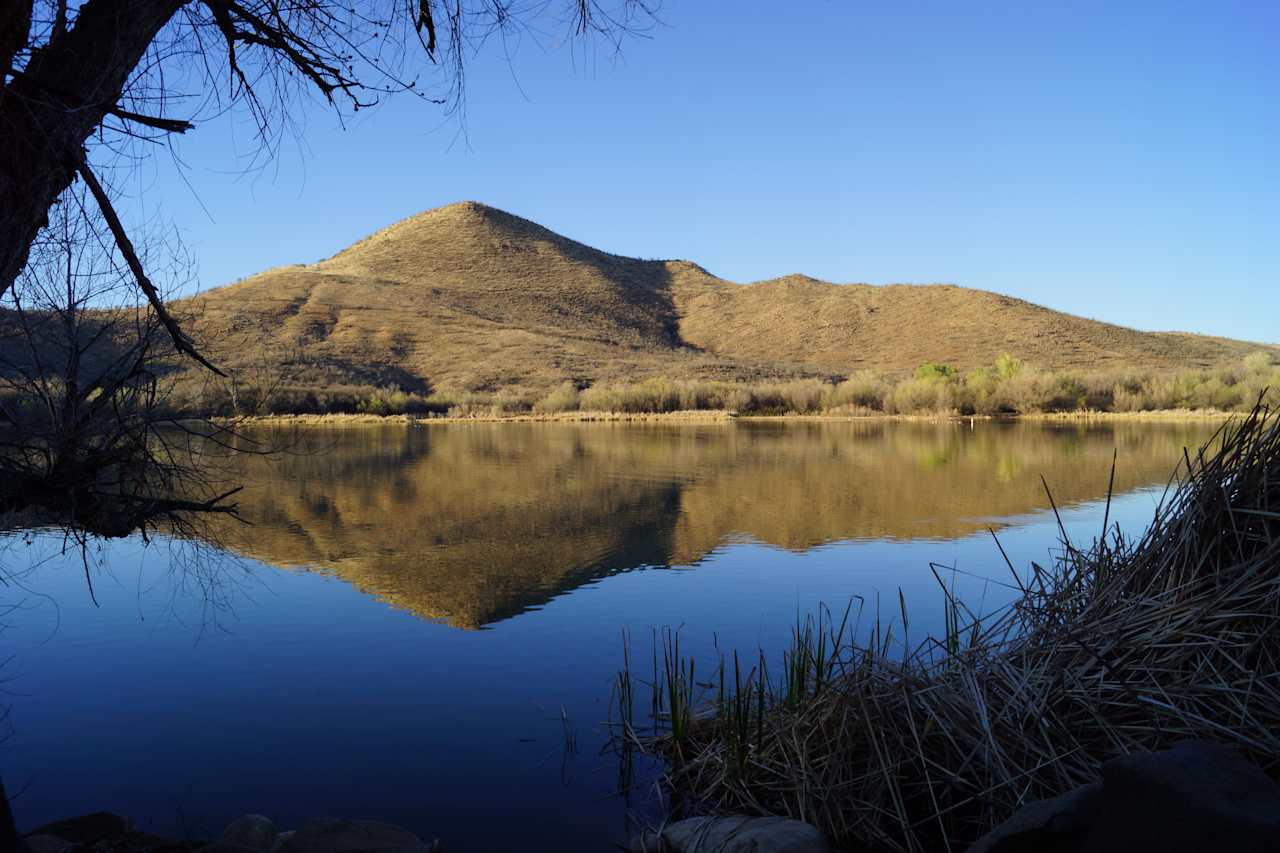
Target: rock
x=47, y=844
x=225, y=847
x=328, y=835
x=87, y=829
x=1188, y=799
x=251, y=830
x=734, y=835
x=1046, y=826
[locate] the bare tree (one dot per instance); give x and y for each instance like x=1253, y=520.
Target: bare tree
x=86, y=437
x=107, y=73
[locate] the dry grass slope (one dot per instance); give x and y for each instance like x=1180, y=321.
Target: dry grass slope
x=469, y=298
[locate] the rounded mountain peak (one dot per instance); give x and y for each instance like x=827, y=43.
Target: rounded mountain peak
x=454, y=230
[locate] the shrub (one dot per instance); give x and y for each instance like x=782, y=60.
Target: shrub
x=1007, y=367
x=921, y=396
x=468, y=404
x=980, y=392
x=509, y=402
x=1213, y=393
x=934, y=370
x=562, y=399
x=802, y=395
x=738, y=399
x=1257, y=362
x=1126, y=399
x=864, y=389
x=650, y=395
x=373, y=406
x=1031, y=391
x=389, y=401
x=696, y=395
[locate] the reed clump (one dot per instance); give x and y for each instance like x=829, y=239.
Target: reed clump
x=1121, y=646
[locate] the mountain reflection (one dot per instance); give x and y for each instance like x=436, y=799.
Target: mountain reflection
x=473, y=523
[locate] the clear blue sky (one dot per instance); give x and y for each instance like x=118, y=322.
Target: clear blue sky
x=1120, y=161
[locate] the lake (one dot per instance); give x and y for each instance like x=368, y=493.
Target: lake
x=422, y=623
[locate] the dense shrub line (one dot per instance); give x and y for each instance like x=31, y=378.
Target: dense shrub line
x=1006, y=387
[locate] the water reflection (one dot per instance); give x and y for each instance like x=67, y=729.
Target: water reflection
x=473, y=523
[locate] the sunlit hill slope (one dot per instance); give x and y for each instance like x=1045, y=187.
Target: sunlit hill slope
x=466, y=297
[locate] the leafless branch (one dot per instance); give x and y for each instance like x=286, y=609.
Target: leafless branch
x=180, y=339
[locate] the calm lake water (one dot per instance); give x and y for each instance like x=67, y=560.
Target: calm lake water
x=416, y=615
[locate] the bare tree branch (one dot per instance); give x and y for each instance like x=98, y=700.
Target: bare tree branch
x=169, y=125
x=15, y=22
x=180, y=340
x=425, y=19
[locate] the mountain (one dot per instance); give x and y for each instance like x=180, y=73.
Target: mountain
x=467, y=297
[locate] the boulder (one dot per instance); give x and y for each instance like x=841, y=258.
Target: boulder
x=86, y=829
x=251, y=830
x=330, y=835
x=1190, y=798
x=47, y=844
x=1058, y=825
x=734, y=835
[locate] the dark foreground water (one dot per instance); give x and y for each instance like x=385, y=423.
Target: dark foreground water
x=422, y=624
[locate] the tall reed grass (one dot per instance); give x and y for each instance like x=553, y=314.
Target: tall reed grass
x=1120, y=646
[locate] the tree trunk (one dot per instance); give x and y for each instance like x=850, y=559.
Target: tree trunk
x=8, y=830
x=50, y=109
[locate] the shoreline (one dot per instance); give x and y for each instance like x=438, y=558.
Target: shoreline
x=711, y=416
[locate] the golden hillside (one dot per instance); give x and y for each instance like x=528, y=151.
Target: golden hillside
x=466, y=297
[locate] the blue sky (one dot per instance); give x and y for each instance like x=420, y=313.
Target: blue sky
x=1119, y=161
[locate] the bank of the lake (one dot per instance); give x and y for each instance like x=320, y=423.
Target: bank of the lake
x=1007, y=386
x=716, y=416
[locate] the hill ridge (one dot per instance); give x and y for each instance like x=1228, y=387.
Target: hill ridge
x=471, y=297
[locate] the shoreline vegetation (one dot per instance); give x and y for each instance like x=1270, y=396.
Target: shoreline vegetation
x=1006, y=388
x=711, y=417
x=1114, y=648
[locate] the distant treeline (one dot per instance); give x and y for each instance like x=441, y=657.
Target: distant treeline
x=1006, y=387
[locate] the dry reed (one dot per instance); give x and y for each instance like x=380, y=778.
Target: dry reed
x=1122, y=646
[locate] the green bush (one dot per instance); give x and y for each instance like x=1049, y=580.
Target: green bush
x=934, y=370
x=1007, y=367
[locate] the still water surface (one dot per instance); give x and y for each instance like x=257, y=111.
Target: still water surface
x=416, y=615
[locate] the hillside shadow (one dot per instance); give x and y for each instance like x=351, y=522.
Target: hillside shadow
x=645, y=286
